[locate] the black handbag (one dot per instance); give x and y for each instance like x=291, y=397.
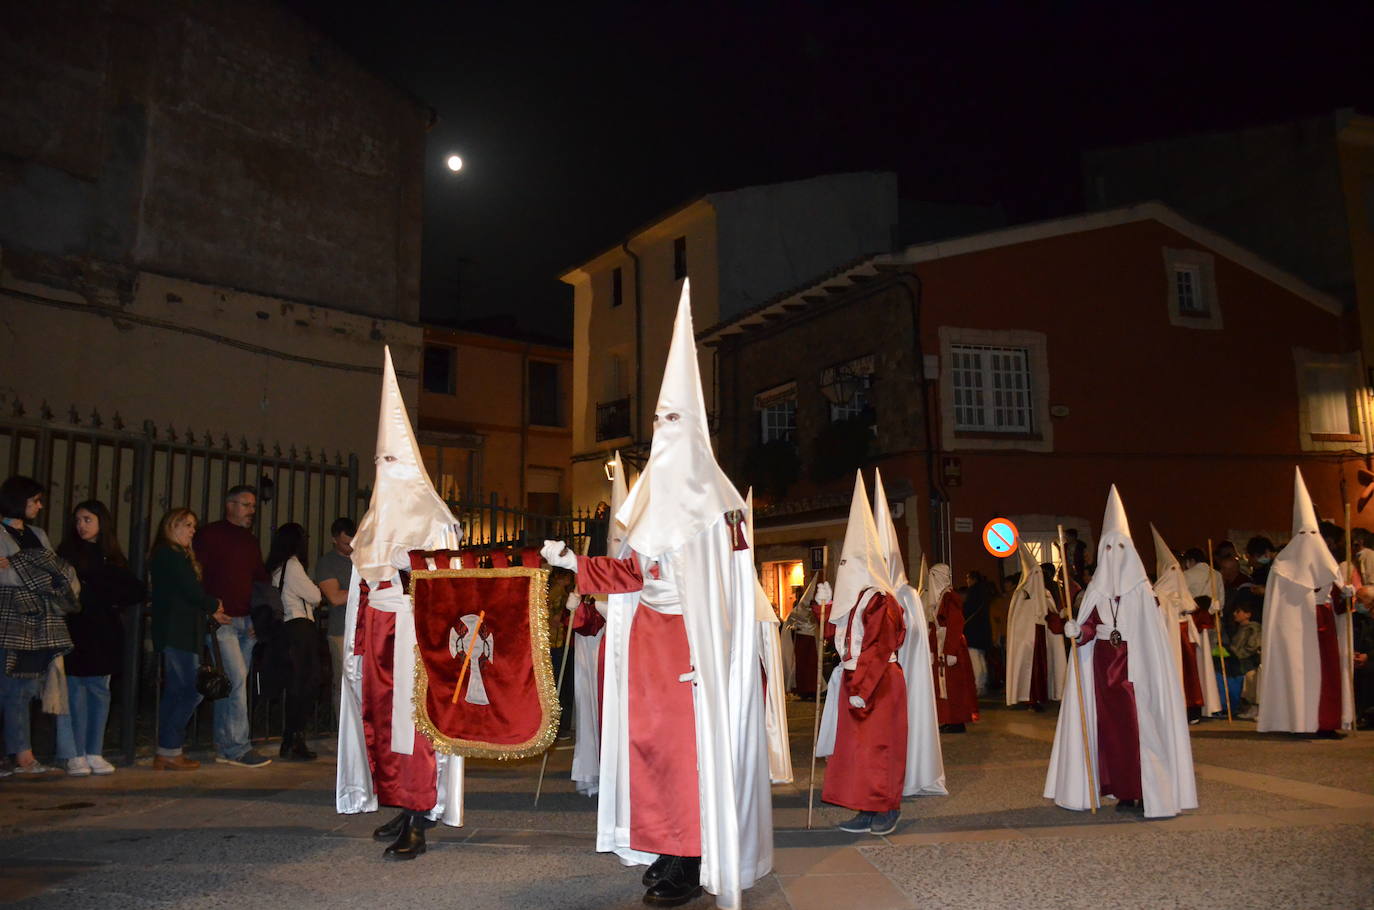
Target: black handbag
x=211, y=680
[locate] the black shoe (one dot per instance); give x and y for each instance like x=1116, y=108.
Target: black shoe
x=409, y=844
x=1127, y=805
x=1329, y=734
x=391, y=829
x=951, y=728
x=680, y=883
x=859, y=824
x=1037, y=707
x=654, y=874
x=299, y=750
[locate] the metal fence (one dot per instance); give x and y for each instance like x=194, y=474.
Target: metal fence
x=141, y=475
x=494, y=522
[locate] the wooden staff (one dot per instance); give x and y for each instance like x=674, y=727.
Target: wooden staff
x=467, y=658
x=1078, y=677
x=562, y=667
x=1350, y=611
x=816, y=722
x=1221, y=649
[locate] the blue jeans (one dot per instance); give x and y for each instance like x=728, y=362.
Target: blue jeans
x=231, y=712
x=1229, y=687
x=16, y=697
x=179, y=699
x=88, y=698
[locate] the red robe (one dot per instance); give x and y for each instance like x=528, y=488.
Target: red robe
x=959, y=702
x=665, y=813
x=1118, y=728
x=404, y=781
x=1329, y=656
x=1192, y=685
x=865, y=771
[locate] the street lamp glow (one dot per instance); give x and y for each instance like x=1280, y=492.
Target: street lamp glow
x=454, y=163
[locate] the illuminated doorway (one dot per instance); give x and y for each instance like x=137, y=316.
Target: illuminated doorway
x=779, y=580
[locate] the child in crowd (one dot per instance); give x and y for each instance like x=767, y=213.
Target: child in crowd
x=1242, y=646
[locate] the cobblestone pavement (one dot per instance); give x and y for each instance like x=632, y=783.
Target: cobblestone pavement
x=1284, y=822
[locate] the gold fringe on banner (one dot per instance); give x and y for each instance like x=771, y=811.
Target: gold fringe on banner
x=550, y=709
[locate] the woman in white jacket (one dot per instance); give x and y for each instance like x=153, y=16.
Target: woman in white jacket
x=286, y=564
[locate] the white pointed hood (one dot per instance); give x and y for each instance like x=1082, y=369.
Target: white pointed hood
x=887, y=534
x=405, y=512
x=939, y=579
x=1306, y=559
x=682, y=490
x=1119, y=568
x=861, y=557
x=615, y=531
x=1032, y=578
x=1171, y=587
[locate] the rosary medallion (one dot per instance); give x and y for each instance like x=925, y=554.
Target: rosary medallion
x=1115, y=638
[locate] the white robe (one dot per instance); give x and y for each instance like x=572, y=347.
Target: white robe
x=1166, y=756
x=1023, y=615
x=586, y=764
x=353, y=776
x=1175, y=590
x=1290, y=667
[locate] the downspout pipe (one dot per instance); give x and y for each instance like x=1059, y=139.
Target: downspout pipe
x=637, y=407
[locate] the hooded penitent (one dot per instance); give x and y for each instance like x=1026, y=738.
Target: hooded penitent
x=1120, y=600
x=1303, y=684
x=774, y=672
x=925, y=765
x=1030, y=602
x=405, y=513
x=862, y=571
x=684, y=520
x=1195, y=646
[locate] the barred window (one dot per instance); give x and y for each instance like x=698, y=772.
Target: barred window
x=992, y=389
x=1188, y=286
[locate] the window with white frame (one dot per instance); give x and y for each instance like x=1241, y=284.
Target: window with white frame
x=777, y=409
x=1329, y=399
x=1192, y=289
x=992, y=389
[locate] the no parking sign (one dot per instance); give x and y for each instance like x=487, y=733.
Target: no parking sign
x=999, y=537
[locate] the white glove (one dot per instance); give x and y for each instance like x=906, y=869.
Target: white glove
x=857, y=702
x=574, y=601
x=824, y=594
x=556, y=553
x=1348, y=592
x=951, y=660
x=1070, y=629
x=1214, y=609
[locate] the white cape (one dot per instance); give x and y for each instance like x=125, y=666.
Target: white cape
x=718, y=596
x=1027, y=610
x=1166, y=755
x=353, y=791
x=1290, y=670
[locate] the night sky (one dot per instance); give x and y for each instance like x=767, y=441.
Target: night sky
x=580, y=122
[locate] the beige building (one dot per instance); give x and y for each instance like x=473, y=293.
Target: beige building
x=493, y=420
x=740, y=249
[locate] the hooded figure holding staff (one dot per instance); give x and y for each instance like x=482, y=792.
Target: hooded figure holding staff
x=1035, y=659
x=684, y=753
x=1137, y=729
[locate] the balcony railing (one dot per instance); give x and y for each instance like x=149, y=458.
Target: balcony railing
x=613, y=419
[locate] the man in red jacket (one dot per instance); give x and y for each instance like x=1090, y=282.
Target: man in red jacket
x=231, y=559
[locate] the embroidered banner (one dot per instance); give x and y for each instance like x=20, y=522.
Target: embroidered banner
x=485, y=633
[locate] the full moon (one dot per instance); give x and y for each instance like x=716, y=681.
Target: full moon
x=455, y=163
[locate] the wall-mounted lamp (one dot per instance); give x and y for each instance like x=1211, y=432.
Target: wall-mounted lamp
x=610, y=471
